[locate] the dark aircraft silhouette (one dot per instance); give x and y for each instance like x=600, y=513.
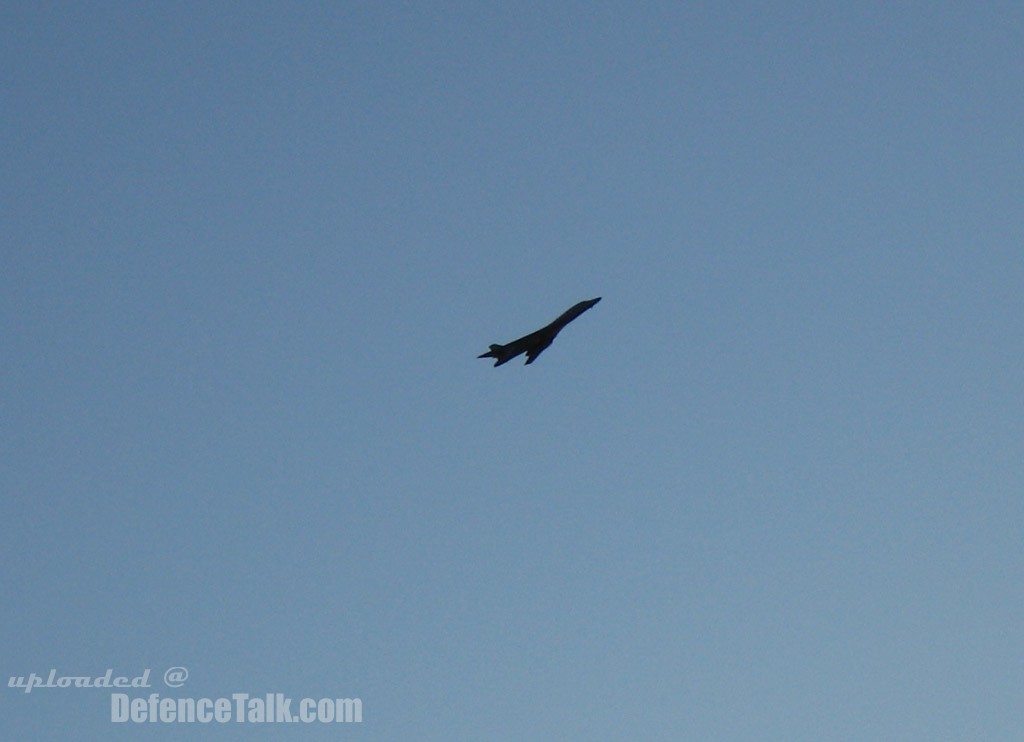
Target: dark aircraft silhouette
x=535, y=343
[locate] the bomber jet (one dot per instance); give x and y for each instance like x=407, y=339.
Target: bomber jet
x=535, y=343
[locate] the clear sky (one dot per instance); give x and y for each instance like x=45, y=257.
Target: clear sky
x=769, y=489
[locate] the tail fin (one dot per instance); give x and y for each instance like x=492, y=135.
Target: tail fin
x=500, y=352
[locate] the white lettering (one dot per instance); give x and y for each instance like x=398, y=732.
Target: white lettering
x=137, y=710
x=167, y=709
x=106, y=680
x=349, y=710
x=119, y=707
x=222, y=710
x=240, y=707
x=204, y=711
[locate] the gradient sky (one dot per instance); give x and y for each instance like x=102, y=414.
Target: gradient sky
x=769, y=489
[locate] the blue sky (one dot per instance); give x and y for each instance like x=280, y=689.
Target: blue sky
x=769, y=489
